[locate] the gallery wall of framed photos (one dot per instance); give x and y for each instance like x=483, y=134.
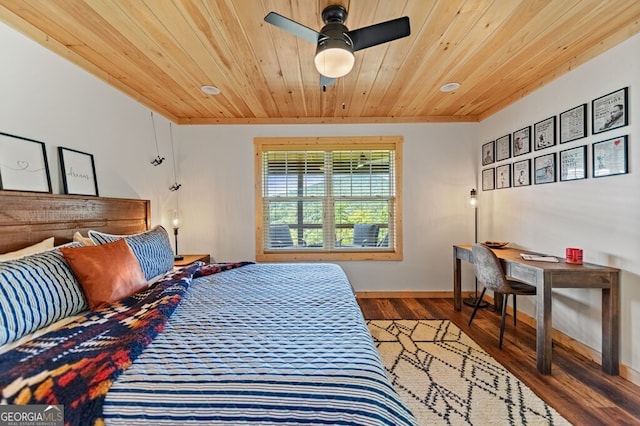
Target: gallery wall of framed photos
x=554, y=149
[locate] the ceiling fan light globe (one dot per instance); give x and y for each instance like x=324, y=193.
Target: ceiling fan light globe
x=334, y=62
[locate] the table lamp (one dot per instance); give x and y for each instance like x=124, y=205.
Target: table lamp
x=176, y=225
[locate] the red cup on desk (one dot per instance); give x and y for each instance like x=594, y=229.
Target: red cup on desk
x=574, y=255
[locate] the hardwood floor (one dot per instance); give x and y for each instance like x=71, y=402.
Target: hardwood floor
x=577, y=387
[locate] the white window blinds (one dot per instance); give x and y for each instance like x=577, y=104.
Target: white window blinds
x=328, y=199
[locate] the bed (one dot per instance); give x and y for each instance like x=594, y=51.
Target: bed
x=232, y=343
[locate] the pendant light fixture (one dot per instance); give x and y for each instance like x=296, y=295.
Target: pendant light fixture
x=175, y=185
x=158, y=160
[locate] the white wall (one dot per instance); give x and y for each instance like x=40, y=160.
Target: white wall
x=599, y=215
x=217, y=199
x=44, y=97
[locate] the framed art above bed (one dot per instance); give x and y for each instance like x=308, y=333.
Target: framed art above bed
x=23, y=164
x=78, y=172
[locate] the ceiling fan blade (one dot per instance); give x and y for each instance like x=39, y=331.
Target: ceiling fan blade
x=380, y=33
x=292, y=27
x=326, y=81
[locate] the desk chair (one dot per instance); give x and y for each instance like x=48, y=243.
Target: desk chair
x=490, y=274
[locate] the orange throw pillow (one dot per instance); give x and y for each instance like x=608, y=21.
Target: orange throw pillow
x=107, y=273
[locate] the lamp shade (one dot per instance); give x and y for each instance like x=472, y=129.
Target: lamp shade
x=334, y=58
x=176, y=219
x=473, y=199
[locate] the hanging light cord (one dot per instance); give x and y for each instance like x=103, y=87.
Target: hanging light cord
x=175, y=185
x=158, y=160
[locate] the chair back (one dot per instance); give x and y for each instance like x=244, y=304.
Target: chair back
x=365, y=234
x=280, y=236
x=488, y=269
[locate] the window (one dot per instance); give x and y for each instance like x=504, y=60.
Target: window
x=328, y=198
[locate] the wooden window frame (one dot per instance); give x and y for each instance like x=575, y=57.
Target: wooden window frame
x=328, y=143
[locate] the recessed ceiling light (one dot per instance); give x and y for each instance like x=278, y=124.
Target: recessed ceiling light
x=210, y=90
x=450, y=87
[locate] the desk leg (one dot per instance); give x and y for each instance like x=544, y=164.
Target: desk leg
x=543, y=322
x=457, y=282
x=611, y=327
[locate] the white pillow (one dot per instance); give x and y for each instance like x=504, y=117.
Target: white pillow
x=85, y=241
x=43, y=245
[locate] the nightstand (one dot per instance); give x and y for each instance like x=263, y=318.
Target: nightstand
x=188, y=259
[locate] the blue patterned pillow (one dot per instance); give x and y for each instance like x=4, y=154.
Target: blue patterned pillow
x=152, y=248
x=36, y=291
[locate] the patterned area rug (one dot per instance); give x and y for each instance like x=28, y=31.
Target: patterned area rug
x=444, y=377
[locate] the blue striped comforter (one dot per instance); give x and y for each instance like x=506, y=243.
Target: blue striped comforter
x=262, y=344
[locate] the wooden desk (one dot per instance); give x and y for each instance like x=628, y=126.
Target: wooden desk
x=546, y=276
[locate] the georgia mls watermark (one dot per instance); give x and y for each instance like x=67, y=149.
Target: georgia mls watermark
x=31, y=415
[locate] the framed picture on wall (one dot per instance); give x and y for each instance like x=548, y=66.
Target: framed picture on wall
x=488, y=179
x=544, y=169
x=522, y=141
x=522, y=173
x=23, y=164
x=78, y=172
x=610, y=157
x=609, y=111
x=573, y=163
x=573, y=124
x=503, y=176
x=544, y=133
x=487, y=153
x=503, y=148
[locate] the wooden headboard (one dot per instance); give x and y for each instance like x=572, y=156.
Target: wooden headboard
x=27, y=217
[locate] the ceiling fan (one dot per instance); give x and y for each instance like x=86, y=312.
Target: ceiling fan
x=335, y=44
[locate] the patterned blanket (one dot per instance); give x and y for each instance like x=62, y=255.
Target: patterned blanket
x=76, y=364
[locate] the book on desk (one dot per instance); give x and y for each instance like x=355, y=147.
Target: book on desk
x=539, y=257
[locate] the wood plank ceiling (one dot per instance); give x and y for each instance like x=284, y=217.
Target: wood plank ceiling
x=160, y=52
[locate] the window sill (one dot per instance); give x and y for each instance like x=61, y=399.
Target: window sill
x=316, y=256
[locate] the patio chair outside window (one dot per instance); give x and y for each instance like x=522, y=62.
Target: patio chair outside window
x=364, y=235
x=280, y=236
